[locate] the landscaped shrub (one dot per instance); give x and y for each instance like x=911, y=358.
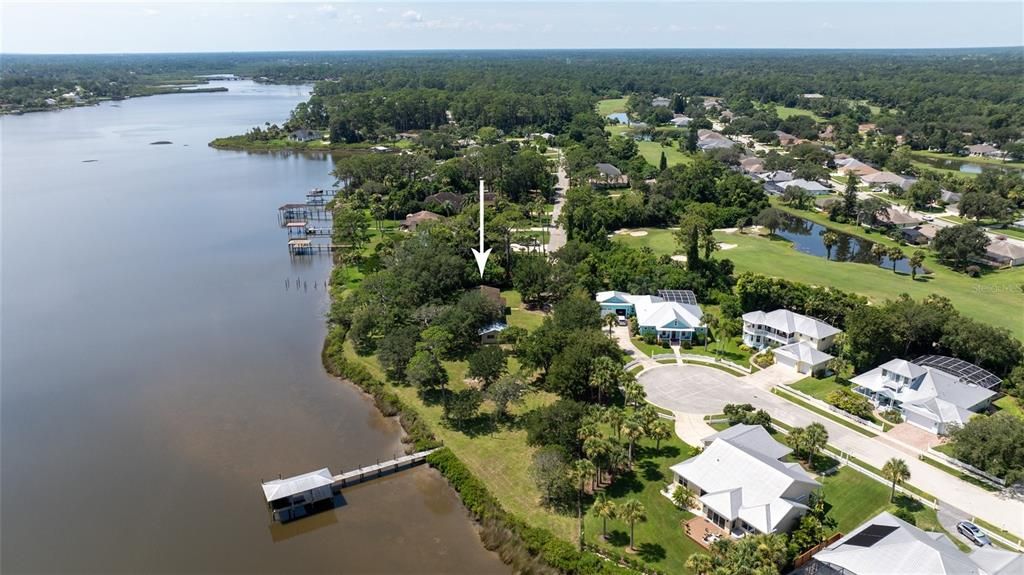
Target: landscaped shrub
x=664, y=344
x=764, y=359
x=850, y=402
x=649, y=339
x=892, y=416
x=686, y=344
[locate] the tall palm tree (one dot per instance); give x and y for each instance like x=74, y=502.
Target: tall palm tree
x=610, y=320
x=895, y=255
x=815, y=438
x=660, y=431
x=605, y=376
x=605, y=509
x=829, y=239
x=634, y=392
x=631, y=512
x=916, y=261
x=700, y=563
x=580, y=472
x=614, y=416
x=633, y=430
x=597, y=449
x=895, y=470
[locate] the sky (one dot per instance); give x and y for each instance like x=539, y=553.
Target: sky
x=43, y=26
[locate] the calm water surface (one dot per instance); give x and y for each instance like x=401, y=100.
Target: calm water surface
x=156, y=365
x=807, y=238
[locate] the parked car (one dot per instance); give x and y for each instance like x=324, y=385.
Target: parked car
x=623, y=321
x=928, y=218
x=974, y=533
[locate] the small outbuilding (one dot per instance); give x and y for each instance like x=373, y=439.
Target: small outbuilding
x=291, y=495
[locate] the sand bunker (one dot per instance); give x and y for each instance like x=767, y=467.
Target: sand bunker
x=726, y=246
x=679, y=258
x=639, y=234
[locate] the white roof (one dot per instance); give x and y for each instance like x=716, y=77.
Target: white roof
x=751, y=438
x=659, y=314
x=281, y=488
x=791, y=322
x=931, y=392
x=1005, y=249
x=884, y=178
x=886, y=545
x=741, y=482
x=804, y=353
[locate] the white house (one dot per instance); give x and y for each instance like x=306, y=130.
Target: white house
x=811, y=187
x=660, y=102
x=886, y=545
x=741, y=484
x=928, y=397
x=799, y=341
x=667, y=317
x=882, y=179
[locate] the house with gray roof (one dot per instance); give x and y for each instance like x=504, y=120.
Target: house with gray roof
x=813, y=188
x=660, y=102
x=665, y=319
x=887, y=545
x=742, y=486
x=796, y=340
x=1003, y=252
x=928, y=397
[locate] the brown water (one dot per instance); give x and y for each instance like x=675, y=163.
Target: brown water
x=156, y=365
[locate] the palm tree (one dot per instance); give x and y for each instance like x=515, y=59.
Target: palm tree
x=605, y=376
x=895, y=470
x=631, y=512
x=879, y=251
x=815, y=438
x=633, y=430
x=710, y=323
x=614, y=416
x=605, y=509
x=700, y=563
x=597, y=449
x=610, y=320
x=580, y=471
x=682, y=497
x=634, y=392
x=660, y=431
x=895, y=254
x=916, y=261
x=829, y=239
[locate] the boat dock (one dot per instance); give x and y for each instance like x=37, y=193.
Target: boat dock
x=303, y=247
x=295, y=497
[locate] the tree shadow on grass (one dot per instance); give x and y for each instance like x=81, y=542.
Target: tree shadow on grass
x=618, y=538
x=649, y=452
x=651, y=552
x=482, y=424
x=650, y=470
x=625, y=484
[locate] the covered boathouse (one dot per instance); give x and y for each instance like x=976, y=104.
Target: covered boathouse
x=291, y=497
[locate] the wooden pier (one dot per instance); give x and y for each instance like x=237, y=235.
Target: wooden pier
x=381, y=469
x=296, y=497
x=290, y=212
x=305, y=247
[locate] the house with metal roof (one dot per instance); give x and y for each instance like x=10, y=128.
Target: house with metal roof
x=1004, y=253
x=289, y=496
x=798, y=341
x=741, y=484
x=814, y=188
x=927, y=396
x=672, y=316
x=886, y=545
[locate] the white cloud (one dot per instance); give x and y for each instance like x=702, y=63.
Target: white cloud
x=412, y=16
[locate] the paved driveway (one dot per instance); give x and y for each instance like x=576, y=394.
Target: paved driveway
x=695, y=389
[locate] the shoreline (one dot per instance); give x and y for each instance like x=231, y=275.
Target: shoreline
x=98, y=101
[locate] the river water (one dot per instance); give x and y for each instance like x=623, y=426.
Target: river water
x=158, y=359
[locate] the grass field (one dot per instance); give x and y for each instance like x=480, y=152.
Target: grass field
x=660, y=540
x=499, y=456
x=651, y=151
x=779, y=391
x=995, y=299
x=520, y=316
x=650, y=349
x=786, y=112
x=605, y=107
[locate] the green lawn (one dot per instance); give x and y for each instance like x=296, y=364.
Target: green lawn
x=660, y=540
x=650, y=349
x=729, y=350
x=500, y=457
x=1008, y=232
x=990, y=299
x=651, y=151
x=520, y=316
x=612, y=106
x=818, y=388
x=822, y=412
x=1011, y=405
x=786, y=112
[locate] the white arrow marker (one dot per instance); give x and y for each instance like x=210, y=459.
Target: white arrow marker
x=481, y=255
